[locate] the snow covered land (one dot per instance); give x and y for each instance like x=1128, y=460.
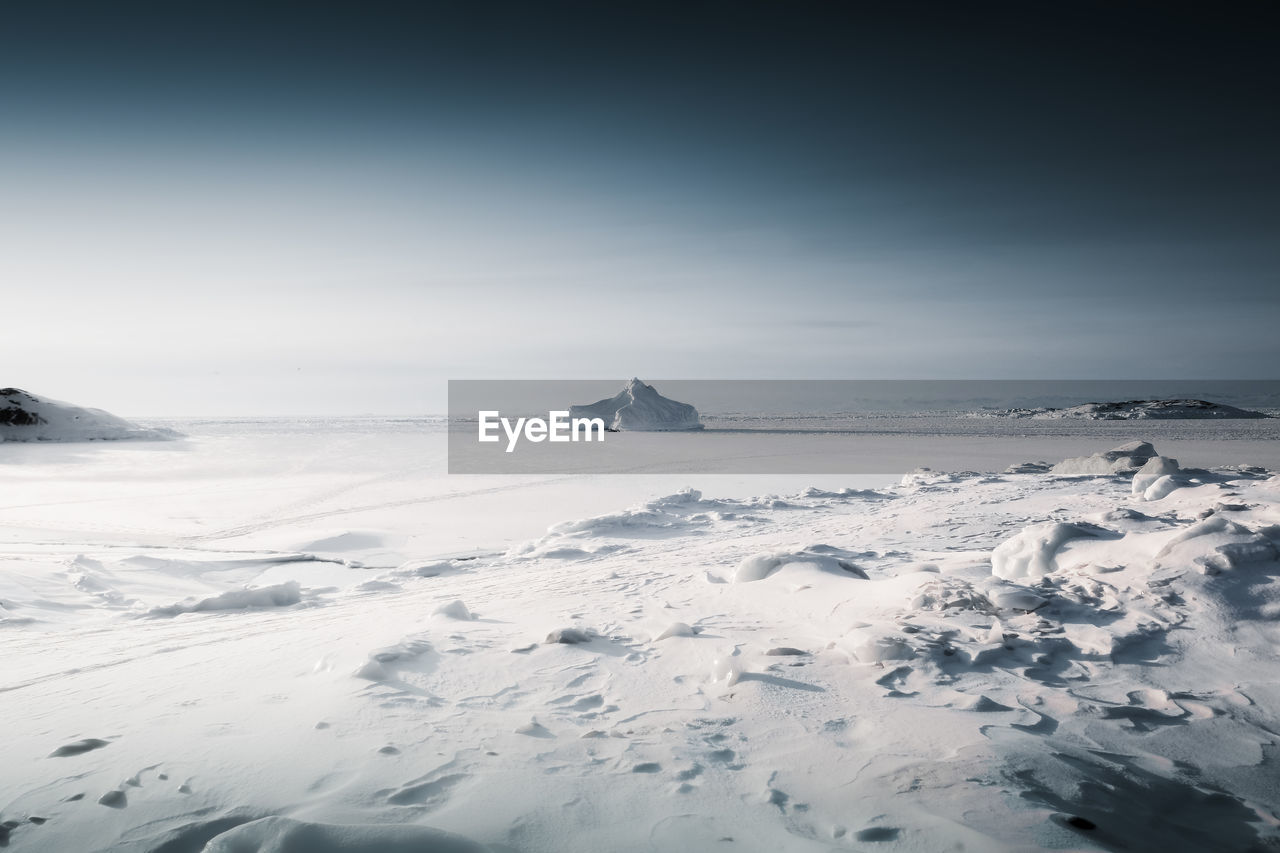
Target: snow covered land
x=279, y=636
x=640, y=407
x=26, y=417
x=1130, y=410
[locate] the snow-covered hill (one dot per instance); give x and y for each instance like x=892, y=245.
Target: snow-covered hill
x=26, y=417
x=639, y=407
x=1129, y=410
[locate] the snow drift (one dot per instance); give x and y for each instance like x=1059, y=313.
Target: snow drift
x=1125, y=459
x=1010, y=662
x=26, y=417
x=640, y=407
x=281, y=835
x=278, y=595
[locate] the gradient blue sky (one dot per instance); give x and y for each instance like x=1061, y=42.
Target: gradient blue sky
x=334, y=209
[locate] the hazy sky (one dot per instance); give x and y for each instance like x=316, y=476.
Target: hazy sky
x=321, y=209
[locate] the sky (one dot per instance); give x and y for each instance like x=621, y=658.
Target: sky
x=333, y=209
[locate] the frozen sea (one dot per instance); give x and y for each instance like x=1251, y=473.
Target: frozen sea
x=303, y=632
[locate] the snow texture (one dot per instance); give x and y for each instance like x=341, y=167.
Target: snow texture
x=1001, y=662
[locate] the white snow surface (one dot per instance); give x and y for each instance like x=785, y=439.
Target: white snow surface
x=26, y=417
x=995, y=662
x=639, y=407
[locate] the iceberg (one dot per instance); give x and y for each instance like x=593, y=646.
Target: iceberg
x=26, y=417
x=639, y=407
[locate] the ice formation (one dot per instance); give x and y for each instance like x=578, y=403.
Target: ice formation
x=26, y=417
x=1031, y=554
x=1125, y=459
x=1154, y=468
x=639, y=407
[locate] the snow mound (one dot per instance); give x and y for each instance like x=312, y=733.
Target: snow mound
x=26, y=417
x=383, y=664
x=1162, y=488
x=873, y=647
x=284, y=835
x=822, y=558
x=667, y=514
x=813, y=492
x=455, y=610
x=1031, y=554
x=1216, y=545
x=950, y=594
x=1154, y=468
x=417, y=568
x=1017, y=598
x=279, y=595
x=569, y=636
x=685, y=513
x=727, y=668
x=1129, y=410
x=639, y=407
x=677, y=629
x=1125, y=459
x=1028, y=468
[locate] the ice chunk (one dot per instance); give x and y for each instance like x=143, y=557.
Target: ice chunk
x=1162, y=488
x=1127, y=457
x=727, y=668
x=1030, y=554
x=639, y=407
x=1154, y=468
